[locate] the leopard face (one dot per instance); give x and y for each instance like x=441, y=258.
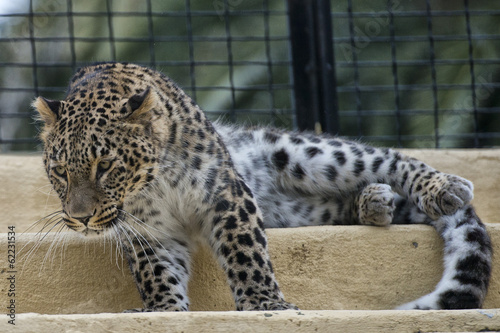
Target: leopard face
x=98, y=153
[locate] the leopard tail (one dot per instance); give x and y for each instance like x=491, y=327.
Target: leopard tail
x=467, y=260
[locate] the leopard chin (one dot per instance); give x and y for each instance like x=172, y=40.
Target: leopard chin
x=91, y=233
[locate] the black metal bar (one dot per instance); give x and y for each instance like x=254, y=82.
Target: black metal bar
x=354, y=54
x=111, y=38
x=270, y=89
x=151, y=37
x=33, y=50
x=395, y=72
x=71, y=31
x=313, y=66
x=329, y=118
x=192, y=63
x=374, y=39
x=250, y=12
x=432, y=57
x=472, y=75
x=229, y=47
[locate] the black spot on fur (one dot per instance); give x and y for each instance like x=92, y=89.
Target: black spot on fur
x=231, y=222
x=246, y=189
x=243, y=215
x=249, y=292
x=356, y=151
x=377, y=162
x=271, y=137
x=242, y=258
x=394, y=163
x=138, y=277
x=297, y=171
x=325, y=218
x=257, y=276
x=479, y=236
x=331, y=173
x=459, y=300
x=173, y=133
x=369, y=150
x=259, y=237
x=148, y=287
x=101, y=122
x=313, y=151
x=196, y=163
x=250, y=207
x=280, y=159
x=335, y=143
x=163, y=288
x=258, y=258
x=245, y=239
x=296, y=140
x=222, y=205
x=340, y=157
x=474, y=264
x=173, y=280
x=225, y=250
x=158, y=270
x=359, y=167
x=242, y=276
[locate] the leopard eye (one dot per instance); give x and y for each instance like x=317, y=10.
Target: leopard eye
x=103, y=166
x=60, y=171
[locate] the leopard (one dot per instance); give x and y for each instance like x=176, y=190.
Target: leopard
x=131, y=155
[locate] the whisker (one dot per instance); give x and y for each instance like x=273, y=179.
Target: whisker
x=124, y=233
x=143, y=224
x=136, y=234
x=145, y=227
x=36, y=243
x=38, y=238
x=52, y=250
x=119, y=247
x=32, y=225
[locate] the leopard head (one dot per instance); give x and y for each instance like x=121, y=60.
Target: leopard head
x=99, y=152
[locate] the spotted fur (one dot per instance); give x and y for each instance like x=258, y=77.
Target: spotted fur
x=129, y=153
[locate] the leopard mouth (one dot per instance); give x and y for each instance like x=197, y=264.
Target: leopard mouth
x=94, y=225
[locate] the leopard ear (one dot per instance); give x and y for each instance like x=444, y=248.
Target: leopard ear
x=139, y=106
x=48, y=110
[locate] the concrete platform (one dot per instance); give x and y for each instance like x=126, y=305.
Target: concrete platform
x=344, y=278
x=285, y=321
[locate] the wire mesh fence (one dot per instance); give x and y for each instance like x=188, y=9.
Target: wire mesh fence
x=438, y=63
x=406, y=73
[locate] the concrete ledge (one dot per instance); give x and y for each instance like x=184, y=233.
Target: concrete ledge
x=349, y=268
x=318, y=268
x=286, y=321
x=22, y=177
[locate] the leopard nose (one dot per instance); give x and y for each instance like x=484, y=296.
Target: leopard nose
x=84, y=220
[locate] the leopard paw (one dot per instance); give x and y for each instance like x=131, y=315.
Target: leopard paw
x=376, y=205
x=266, y=305
x=137, y=310
x=444, y=194
x=156, y=309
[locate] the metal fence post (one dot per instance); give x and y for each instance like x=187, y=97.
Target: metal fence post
x=313, y=65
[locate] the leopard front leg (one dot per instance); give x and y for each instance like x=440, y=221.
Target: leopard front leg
x=238, y=239
x=161, y=272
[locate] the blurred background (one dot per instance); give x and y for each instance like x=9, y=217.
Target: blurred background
x=407, y=73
